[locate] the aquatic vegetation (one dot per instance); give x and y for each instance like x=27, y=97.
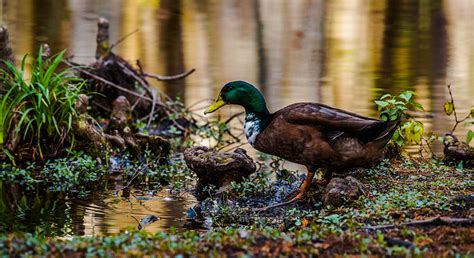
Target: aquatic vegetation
x=42, y=103
x=76, y=173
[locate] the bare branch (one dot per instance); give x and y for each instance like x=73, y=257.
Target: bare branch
x=438, y=220
x=169, y=78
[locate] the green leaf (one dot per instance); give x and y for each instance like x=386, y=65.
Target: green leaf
x=418, y=106
x=406, y=95
x=469, y=136
x=448, y=107
x=385, y=96
x=381, y=104
x=472, y=112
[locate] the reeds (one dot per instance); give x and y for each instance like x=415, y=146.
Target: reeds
x=40, y=109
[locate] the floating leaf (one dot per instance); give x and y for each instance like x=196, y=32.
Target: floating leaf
x=448, y=107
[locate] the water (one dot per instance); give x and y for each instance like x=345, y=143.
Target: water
x=102, y=213
x=343, y=53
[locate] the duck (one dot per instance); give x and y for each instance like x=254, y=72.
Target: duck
x=315, y=135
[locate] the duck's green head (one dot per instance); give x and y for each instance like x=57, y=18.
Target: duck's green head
x=240, y=93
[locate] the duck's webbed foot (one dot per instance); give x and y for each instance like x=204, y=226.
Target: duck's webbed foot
x=303, y=188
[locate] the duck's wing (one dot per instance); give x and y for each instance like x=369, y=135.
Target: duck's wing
x=334, y=122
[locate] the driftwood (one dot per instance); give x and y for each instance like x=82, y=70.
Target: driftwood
x=216, y=168
x=111, y=76
x=436, y=221
x=455, y=150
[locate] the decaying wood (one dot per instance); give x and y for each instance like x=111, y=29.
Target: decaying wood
x=121, y=115
x=111, y=76
x=455, y=150
x=102, y=38
x=46, y=52
x=436, y=221
x=218, y=168
x=5, y=49
x=118, y=136
x=341, y=190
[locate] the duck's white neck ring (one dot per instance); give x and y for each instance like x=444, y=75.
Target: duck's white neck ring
x=252, y=127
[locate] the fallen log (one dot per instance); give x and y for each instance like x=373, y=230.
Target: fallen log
x=435, y=221
x=218, y=169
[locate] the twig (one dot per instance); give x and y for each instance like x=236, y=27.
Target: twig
x=163, y=77
x=151, y=111
x=233, y=116
x=146, y=87
x=131, y=180
x=122, y=39
x=233, y=148
x=399, y=242
x=140, y=69
x=111, y=83
x=454, y=110
x=438, y=220
x=197, y=103
x=170, y=77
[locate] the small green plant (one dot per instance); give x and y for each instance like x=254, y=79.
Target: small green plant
x=43, y=103
x=6, y=107
x=450, y=109
x=395, y=108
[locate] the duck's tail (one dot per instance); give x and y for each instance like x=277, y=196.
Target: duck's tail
x=385, y=136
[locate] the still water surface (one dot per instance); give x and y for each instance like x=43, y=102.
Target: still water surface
x=342, y=53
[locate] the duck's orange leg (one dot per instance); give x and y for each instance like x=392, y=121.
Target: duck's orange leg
x=303, y=188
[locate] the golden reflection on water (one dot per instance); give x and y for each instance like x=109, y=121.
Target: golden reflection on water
x=111, y=214
x=343, y=53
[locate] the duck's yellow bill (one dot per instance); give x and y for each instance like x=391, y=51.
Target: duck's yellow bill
x=215, y=106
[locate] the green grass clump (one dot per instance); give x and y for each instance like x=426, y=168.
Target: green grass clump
x=40, y=107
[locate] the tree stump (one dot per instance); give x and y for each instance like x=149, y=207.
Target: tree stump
x=5, y=49
x=99, y=143
x=218, y=169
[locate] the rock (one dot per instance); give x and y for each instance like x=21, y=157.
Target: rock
x=216, y=168
x=341, y=190
x=147, y=220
